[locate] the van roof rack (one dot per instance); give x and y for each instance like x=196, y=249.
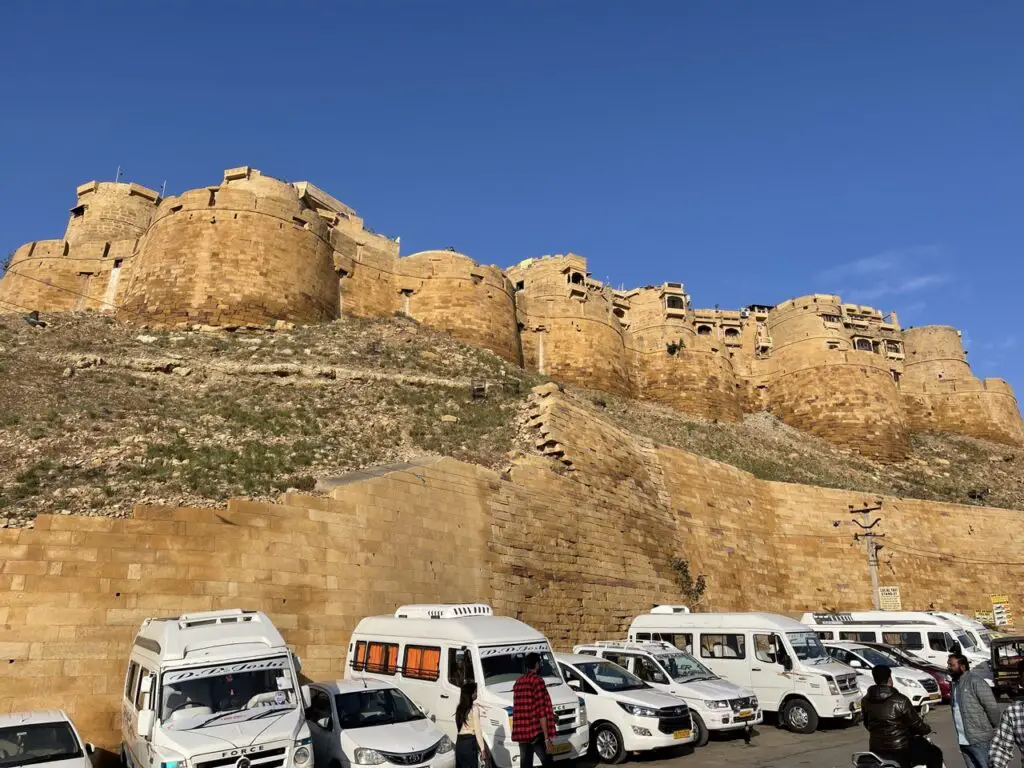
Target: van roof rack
x=207, y=618
x=442, y=611
x=644, y=645
x=670, y=609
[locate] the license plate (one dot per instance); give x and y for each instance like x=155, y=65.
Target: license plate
x=856, y=705
x=935, y=697
x=560, y=749
x=681, y=735
x=746, y=712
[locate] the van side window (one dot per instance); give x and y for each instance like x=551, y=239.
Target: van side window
x=681, y=640
x=422, y=662
x=722, y=647
x=643, y=636
x=320, y=710
x=131, y=680
x=909, y=641
x=382, y=658
x=141, y=699
x=937, y=641
x=622, y=659
x=763, y=649
x=460, y=667
x=825, y=634
x=858, y=637
x=359, y=660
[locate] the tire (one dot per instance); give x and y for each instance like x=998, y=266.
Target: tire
x=608, y=744
x=701, y=734
x=799, y=716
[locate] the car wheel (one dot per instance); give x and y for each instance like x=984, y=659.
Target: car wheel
x=800, y=716
x=608, y=744
x=701, y=734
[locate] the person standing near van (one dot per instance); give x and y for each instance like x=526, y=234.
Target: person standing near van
x=1011, y=729
x=975, y=711
x=469, y=746
x=533, y=717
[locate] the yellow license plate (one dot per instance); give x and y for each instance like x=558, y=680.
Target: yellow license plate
x=746, y=712
x=935, y=697
x=857, y=705
x=560, y=749
x=681, y=735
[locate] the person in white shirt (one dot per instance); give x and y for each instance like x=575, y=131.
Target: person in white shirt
x=469, y=746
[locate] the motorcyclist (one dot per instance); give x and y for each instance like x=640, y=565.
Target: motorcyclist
x=897, y=731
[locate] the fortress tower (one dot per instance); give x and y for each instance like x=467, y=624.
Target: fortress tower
x=253, y=250
x=943, y=394
x=568, y=325
x=831, y=374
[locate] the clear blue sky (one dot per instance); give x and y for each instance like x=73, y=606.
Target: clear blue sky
x=755, y=151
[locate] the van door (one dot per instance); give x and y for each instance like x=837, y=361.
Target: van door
x=139, y=745
x=129, y=715
x=767, y=673
x=726, y=654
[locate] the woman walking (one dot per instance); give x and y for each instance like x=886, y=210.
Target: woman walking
x=469, y=746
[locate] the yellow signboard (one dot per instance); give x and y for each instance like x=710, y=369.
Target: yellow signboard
x=997, y=599
x=889, y=599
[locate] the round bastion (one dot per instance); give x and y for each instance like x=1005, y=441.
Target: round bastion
x=107, y=211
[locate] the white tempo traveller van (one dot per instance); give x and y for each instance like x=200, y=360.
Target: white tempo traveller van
x=211, y=688
x=783, y=661
x=428, y=651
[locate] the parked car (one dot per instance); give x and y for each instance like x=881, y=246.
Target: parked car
x=369, y=722
x=1007, y=653
x=907, y=659
x=715, y=704
x=42, y=739
x=626, y=714
x=918, y=686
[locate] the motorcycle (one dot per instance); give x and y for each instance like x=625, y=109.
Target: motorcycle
x=871, y=760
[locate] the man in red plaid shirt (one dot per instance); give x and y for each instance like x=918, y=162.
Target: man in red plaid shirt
x=533, y=719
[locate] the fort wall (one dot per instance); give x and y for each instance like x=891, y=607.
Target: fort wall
x=255, y=250
x=576, y=540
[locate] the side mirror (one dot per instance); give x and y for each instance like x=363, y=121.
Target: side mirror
x=90, y=748
x=956, y=648
x=147, y=719
x=575, y=685
x=787, y=663
x=307, y=698
x=855, y=663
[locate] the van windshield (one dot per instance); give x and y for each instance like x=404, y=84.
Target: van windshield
x=965, y=640
x=226, y=693
x=683, y=668
x=502, y=666
x=807, y=647
x=37, y=743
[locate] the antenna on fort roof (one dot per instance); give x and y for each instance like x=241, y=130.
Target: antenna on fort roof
x=119, y=174
x=163, y=188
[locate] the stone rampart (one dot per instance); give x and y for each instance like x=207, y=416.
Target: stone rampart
x=106, y=211
x=575, y=541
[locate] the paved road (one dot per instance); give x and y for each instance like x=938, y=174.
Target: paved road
x=771, y=747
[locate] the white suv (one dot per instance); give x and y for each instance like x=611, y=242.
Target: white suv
x=917, y=685
x=715, y=704
x=626, y=715
x=368, y=722
x=42, y=739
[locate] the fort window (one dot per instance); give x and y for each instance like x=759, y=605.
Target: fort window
x=619, y=312
x=78, y=211
x=832, y=344
x=732, y=333
x=477, y=279
x=213, y=198
x=863, y=344
x=67, y=247
x=703, y=330
x=521, y=285
x=576, y=278
x=893, y=346
x=176, y=208
x=830, y=318
x=896, y=376
x=674, y=302
x=117, y=263
x=106, y=250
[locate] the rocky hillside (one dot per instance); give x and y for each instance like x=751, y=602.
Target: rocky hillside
x=95, y=417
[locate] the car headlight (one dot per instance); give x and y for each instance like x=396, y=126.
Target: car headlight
x=948, y=677
x=369, y=757
x=301, y=755
x=716, y=704
x=908, y=681
x=444, y=745
x=833, y=687
x=638, y=711
x=583, y=712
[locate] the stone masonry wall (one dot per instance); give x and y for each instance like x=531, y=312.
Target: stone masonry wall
x=575, y=540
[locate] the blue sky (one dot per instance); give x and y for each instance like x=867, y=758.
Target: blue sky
x=755, y=151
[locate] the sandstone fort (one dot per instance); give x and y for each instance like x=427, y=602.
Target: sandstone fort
x=255, y=251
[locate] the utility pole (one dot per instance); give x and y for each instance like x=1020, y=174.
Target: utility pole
x=872, y=548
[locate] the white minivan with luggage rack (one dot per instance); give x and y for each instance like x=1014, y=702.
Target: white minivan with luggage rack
x=429, y=651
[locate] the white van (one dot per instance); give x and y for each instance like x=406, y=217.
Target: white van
x=779, y=658
x=428, y=651
x=925, y=635
x=977, y=631
x=209, y=688
x=626, y=714
x=715, y=704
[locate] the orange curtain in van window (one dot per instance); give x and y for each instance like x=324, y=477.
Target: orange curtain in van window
x=431, y=665
x=392, y=659
x=360, y=661
x=376, y=661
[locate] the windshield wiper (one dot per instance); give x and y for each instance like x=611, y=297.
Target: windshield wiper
x=270, y=711
x=218, y=716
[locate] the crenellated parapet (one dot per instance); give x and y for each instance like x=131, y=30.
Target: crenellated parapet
x=254, y=250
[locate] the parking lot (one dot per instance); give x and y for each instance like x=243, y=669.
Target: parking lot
x=772, y=747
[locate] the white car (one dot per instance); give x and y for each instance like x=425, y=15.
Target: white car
x=626, y=715
x=46, y=739
x=715, y=704
x=368, y=722
x=917, y=685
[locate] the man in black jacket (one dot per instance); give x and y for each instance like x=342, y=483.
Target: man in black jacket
x=897, y=731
